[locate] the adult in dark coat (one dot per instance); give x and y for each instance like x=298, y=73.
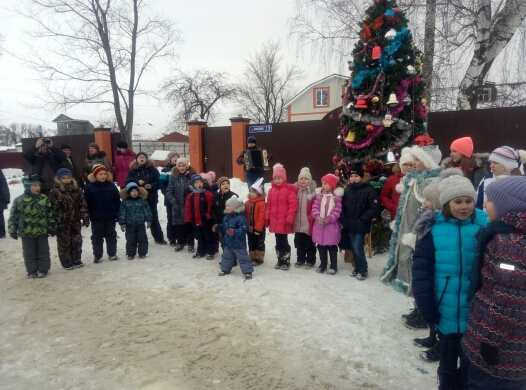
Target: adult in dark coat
x=252, y=174
x=176, y=193
x=94, y=157
x=45, y=160
x=69, y=163
x=146, y=175
x=166, y=173
x=5, y=199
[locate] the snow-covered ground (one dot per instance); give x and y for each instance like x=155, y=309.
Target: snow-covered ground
x=170, y=322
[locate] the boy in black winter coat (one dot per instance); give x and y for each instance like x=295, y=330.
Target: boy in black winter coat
x=102, y=197
x=146, y=175
x=134, y=212
x=360, y=205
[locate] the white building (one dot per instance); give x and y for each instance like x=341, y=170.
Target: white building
x=318, y=99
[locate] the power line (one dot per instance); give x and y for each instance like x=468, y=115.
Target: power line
x=24, y=116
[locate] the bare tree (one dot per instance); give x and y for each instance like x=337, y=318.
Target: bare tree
x=266, y=87
x=96, y=52
x=197, y=92
x=493, y=32
x=13, y=134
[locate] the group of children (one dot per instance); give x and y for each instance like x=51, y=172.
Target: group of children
x=198, y=209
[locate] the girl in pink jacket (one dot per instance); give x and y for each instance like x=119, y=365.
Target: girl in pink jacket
x=281, y=208
x=326, y=210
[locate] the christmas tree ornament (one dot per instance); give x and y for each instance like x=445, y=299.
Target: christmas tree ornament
x=335, y=159
x=388, y=121
x=400, y=60
x=350, y=137
x=392, y=61
x=369, y=127
x=362, y=103
x=411, y=69
x=377, y=50
x=390, y=158
x=390, y=34
x=350, y=105
x=407, y=100
x=424, y=102
x=390, y=12
x=392, y=100
x=375, y=99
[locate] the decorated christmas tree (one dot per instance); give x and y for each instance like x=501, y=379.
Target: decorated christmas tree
x=384, y=108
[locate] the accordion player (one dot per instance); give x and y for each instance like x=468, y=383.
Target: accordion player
x=256, y=159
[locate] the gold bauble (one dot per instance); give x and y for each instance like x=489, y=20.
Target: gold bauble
x=424, y=101
x=350, y=137
x=375, y=99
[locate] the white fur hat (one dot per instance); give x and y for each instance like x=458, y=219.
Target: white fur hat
x=429, y=155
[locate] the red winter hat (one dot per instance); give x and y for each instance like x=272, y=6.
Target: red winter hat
x=279, y=171
x=331, y=180
x=463, y=145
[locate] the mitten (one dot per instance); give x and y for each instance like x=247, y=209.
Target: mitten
x=14, y=236
x=86, y=223
x=148, y=224
x=123, y=228
x=230, y=232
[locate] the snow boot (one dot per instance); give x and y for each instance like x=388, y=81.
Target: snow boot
x=432, y=355
x=260, y=256
x=285, y=261
x=280, y=262
x=248, y=276
x=252, y=255
x=416, y=322
x=427, y=342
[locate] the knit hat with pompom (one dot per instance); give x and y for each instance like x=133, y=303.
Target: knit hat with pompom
x=279, y=171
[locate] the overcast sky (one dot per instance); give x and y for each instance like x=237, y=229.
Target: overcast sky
x=218, y=35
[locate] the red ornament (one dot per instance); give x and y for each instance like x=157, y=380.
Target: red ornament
x=424, y=140
x=335, y=159
x=395, y=145
x=369, y=128
x=377, y=50
x=337, y=172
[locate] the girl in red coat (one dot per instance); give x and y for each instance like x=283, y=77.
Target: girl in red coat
x=282, y=205
x=389, y=195
x=255, y=215
x=123, y=158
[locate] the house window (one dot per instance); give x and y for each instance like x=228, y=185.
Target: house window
x=321, y=97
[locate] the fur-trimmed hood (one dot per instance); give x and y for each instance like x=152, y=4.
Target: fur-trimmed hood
x=98, y=155
x=478, y=160
x=176, y=174
x=311, y=190
x=338, y=191
x=62, y=186
x=92, y=178
x=135, y=165
x=143, y=193
x=422, y=226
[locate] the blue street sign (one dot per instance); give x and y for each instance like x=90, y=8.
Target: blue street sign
x=260, y=129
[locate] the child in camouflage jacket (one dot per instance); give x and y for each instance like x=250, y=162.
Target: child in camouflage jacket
x=70, y=208
x=32, y=220
x=134, y=212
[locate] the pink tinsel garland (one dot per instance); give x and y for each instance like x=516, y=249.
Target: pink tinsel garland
x=366, y=141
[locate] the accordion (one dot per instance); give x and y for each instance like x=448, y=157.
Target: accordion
x=256, y=159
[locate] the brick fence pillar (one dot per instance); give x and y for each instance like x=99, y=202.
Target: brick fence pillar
x=239, y=143
x=195, y=143
x=103, y=139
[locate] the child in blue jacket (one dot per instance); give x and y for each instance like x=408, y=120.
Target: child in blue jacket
x=442, y=264
x=234, y=230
